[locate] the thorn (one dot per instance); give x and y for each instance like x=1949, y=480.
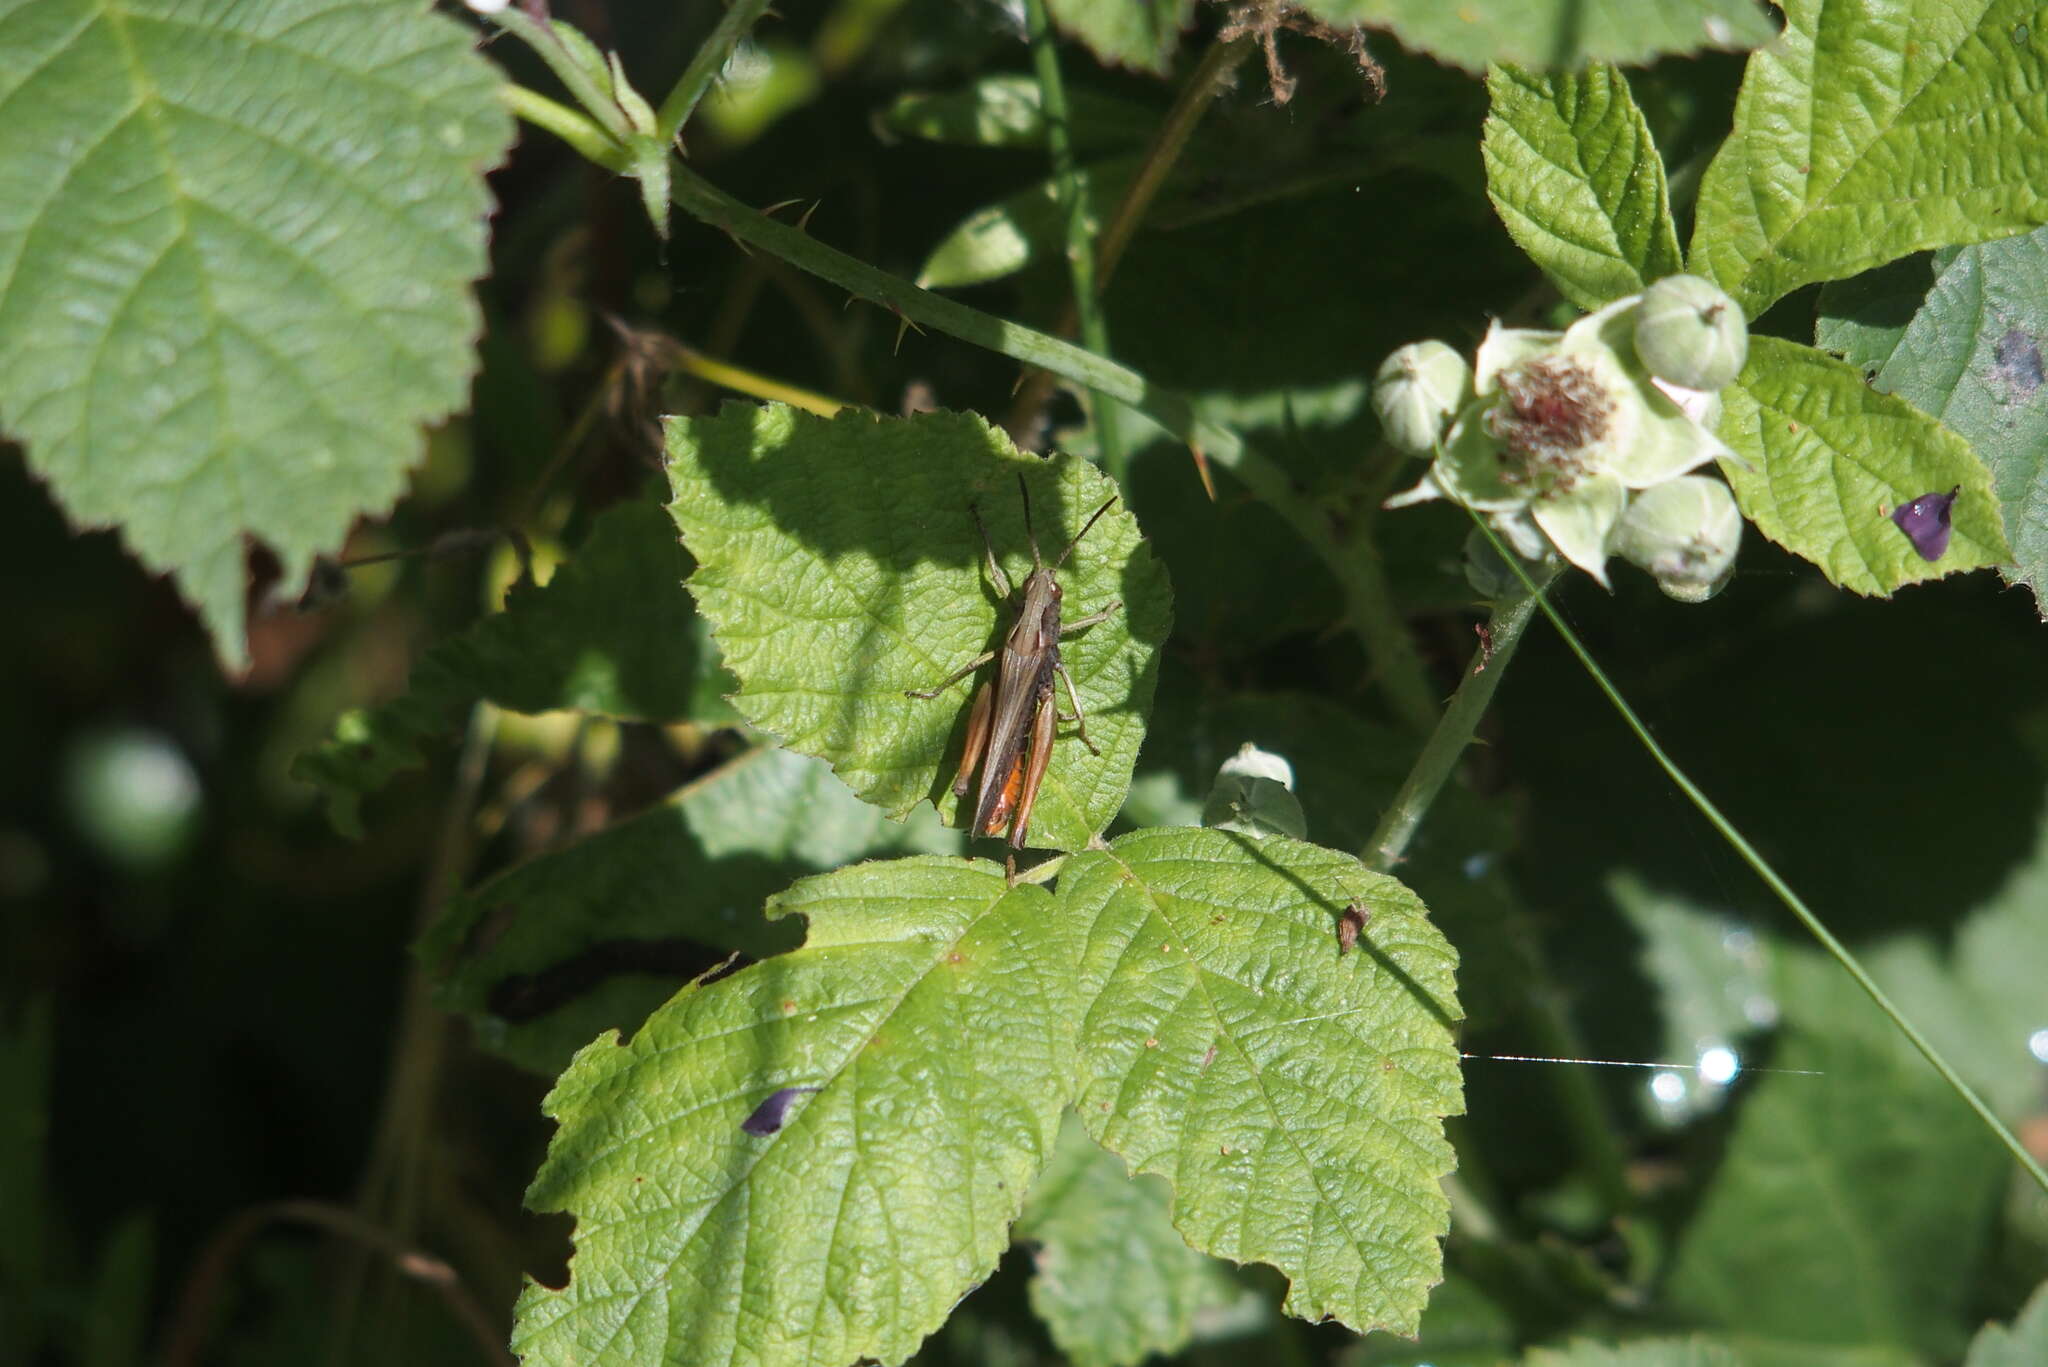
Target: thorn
x=745, y=250
x=1202, y=469
x=1022, y=376
x=803, y=225
x=779, y=205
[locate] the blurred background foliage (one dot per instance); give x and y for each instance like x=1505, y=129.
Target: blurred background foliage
x=209, y=1004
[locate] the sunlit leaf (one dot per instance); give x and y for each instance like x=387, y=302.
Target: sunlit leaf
x=1113, y=1281
x=1829, y=459
x=840, y=567
x=235, y=249
x=1971, y=356
x=925, y=1033
x=594, y=935
x=1867, y=132
x=1572, y=169
x=1294, y=1096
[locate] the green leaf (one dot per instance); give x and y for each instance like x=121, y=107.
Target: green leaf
x=932, y=1008
x=1971, y=357
x=1113, y=1282
x=1861, y=319
x=840, y=567
x=1133, y=33
x=1867, y=132
x=1837, y=1183
x=2022, y=1344
x=593, y=936
x=235, y=249
x=1554, y=33
x=1978, y=996
x=1573, y=172
x=1004, y=111
x=1003, y=238
x=1829, y=458
x=611, y=633
x=1712, y=977
x=1688, y=1352
x=1293, y=1096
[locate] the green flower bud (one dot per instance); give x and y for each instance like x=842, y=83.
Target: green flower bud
x=1685, y=533
x=1690, y=333
x=1415, y=393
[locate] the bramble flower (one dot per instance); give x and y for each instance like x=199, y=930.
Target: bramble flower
x=1564, y=428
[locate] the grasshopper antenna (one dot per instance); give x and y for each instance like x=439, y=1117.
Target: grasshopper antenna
x=1083, y=532
x=1029, y=535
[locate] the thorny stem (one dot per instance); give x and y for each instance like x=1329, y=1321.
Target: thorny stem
x=1086, y=304
x=393, y=1181
x=1439, y=757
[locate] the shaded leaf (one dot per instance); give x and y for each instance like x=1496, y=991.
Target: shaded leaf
x=1133, y=33
x=595, y=935
x=1555, y=33
x=1113, y=1282
x=1829, y=459
x=931, y=1007
x=611, y=633
x=1836, y=1184
x=2023, y=1343
x=1004, y=111
x=235, y=249
x=1688, y=1352
x=1854, y=146
x=1861, y=319
x=840, y=567
x=1971, y=356
x=1294, y=1096
x=1005, y=237
x=1572, y=169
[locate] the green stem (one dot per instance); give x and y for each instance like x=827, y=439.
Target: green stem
x=704, y=67
x=1453, y=732
x=551, y=47
x=1398, y=664
x=1763, y=870
x=1179, y=125
x=572, y=126
x=1059, y=141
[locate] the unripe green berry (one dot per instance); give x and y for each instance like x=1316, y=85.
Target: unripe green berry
x=1415, y=393
x=1690, y=333
x=1685, y=532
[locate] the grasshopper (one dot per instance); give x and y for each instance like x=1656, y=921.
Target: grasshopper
x=1010, y=727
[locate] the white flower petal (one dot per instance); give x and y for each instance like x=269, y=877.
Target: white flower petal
x=1469, y=469
x=1579, y=523
x=1505, y=348
x=1425, y=489
x=1611, y=327
x=1667, y=444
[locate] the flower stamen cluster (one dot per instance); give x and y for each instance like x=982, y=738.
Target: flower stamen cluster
x=1553, y=409
x=1558, y=438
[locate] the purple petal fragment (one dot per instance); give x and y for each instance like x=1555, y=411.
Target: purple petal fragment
x=1925, y=521
x=769, y=1116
